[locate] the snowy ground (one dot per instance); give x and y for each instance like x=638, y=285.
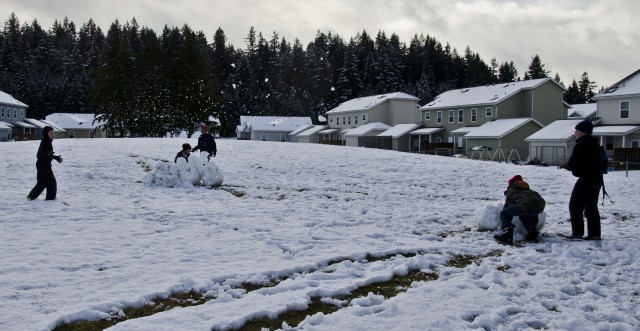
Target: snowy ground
x=110, y=241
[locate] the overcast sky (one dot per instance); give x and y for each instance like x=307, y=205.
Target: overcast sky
x=601, y=37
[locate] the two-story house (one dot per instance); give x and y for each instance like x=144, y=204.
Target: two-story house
x=618, y=114
x=375, y=114
x=461, y=114
x=12, y=114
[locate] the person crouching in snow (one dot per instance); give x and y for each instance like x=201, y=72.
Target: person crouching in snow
x=523, y=202
x=185, y=153
x=206, y=143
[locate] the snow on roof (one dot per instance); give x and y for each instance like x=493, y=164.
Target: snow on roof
x=72, y=121
x=558, y=130
x=366, y=128
x=328, y=131
x=425, y=131
x=629, y=85
x=275, y=120
x=25, y=125
x=615, y=130
x=311, y=131
x=8, y=99
x=464, y=129
x=300, y=129
x=499, y=128
x=583, y=110
x=366, y=103
x=55, y=127
x=398, y=130
x=42, y=124
x=5, y=126
x=483, y=95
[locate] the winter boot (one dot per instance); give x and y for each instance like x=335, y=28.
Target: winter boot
x=506, y=237
x=532, y=235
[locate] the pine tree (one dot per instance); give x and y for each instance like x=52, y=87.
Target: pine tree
x=536, y=69
x=586, y=88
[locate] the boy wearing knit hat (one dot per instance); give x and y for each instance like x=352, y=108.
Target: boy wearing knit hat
x=523, y=202
x=584, y=163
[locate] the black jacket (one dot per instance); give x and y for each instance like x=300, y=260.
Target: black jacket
x=585, y=159
x=206, y=143
x=179, y=155
x=45, y=152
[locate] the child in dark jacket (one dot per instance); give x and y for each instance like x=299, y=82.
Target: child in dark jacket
x=45, y=177
x=185, y=153
x=523, y=202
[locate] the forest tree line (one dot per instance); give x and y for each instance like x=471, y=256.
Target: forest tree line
x=141, y=83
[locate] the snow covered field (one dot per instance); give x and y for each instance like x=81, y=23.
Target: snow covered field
x=109, y=241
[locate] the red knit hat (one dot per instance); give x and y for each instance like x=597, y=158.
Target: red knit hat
x=516, y=178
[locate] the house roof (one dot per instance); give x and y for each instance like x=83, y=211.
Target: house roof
x=615, y=130
x=8, y=99
x=465, y=129
x=42, y=124
x=25, y=125
x=366, y=128
x=328, y=131
x=559, y=130
x=425, y=131
x=499, y=128
x=300, y=129
x=398, y=130
x=311, y=131
x=628, y=86
x=71, y=121
x=5, y=126
x=275, y=120
x=484, y=95
x=583, y=110
x=366, y=103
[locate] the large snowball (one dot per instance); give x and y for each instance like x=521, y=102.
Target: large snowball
x=488, y=219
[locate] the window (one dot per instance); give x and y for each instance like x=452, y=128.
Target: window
x=439, y=116
x=624, y=109
x=451, y=114
x=355, y=119
x=635, y=144
x=15, y=113
x=349, y=120
x=427, y=116
x=72, y=133
x=330, y=119
x=474, y=115
x=438, y=140
x=344, y=120
x=283, y=138
x=489, y=111
x=364, y=118
x=460, y=115
x=263, y=137
x=2, y=112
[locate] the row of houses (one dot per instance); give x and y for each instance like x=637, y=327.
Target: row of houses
x=510, y=121
x=15, y=125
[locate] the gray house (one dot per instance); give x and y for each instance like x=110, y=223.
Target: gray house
x=77, y=125
x=269, y=128
x=12, y=114
x=618, y=112
x=459, y=111
x=389, y=109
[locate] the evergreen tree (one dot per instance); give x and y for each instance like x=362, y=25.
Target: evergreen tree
x=507, y=73
x=536, y=69
x=572, y=96
x=586, y=88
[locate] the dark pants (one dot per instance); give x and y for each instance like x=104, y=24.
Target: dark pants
x=584, y=200
x=45, y=179
x=529, y=219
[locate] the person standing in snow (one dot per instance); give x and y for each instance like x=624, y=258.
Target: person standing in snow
x=523, y=202
x=185, y=153
x=584, y=163
x=45, y=177
x=206, y=143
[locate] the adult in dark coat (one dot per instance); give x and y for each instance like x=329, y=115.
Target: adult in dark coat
x=45, y=177
x=206, y=142
x=584, y=163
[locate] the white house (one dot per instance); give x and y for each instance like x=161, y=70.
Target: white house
x=269, y=128
x=77, y=125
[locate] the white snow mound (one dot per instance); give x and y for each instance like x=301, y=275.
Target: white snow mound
x=197, y=171
x=488, y=219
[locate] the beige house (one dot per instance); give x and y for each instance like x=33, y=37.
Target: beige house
x=459, y=111
x=77, y=125
x=385, y=109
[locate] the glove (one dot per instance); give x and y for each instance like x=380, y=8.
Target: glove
x=57, y=158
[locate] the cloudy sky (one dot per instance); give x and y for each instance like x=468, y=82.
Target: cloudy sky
x=601, y=37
